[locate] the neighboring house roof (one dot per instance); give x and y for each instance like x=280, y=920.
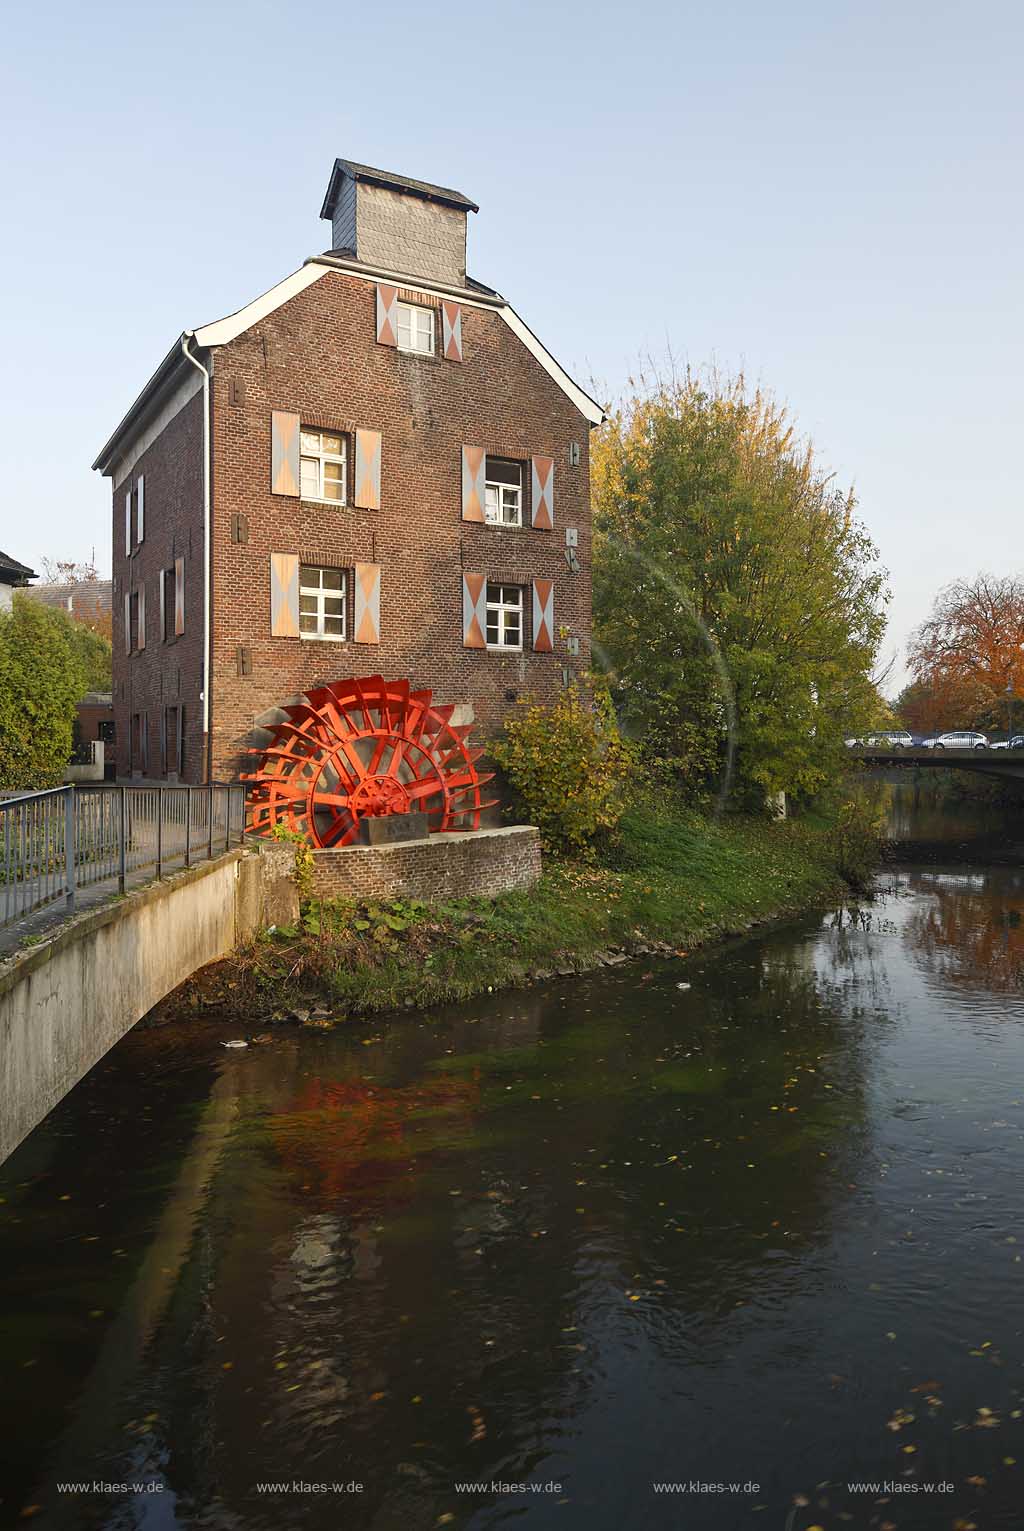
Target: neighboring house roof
x=425, y=189
x=12, y=572
x=85, y=600
x=174, y=369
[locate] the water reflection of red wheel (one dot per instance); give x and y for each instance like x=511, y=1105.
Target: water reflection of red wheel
x=359, y=748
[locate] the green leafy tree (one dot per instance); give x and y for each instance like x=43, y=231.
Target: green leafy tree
x=43, y=672
x=738, y=603
x=94, y=653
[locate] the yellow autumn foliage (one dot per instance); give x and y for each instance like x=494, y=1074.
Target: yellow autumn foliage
x=570, y=769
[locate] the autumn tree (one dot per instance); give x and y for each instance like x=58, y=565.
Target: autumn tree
x=738, y=602
x=970, y=649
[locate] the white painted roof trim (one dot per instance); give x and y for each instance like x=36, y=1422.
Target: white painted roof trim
x=587, y=406
x=221, y=331
x=224, y=330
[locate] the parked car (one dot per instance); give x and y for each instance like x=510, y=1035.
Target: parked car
x=1016, y=743
x=888, y=739
x=965, y=739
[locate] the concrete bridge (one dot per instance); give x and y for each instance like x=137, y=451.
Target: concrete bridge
x=71, y=994
x=987, y=762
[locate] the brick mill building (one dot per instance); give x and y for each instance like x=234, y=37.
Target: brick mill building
x=374, y=468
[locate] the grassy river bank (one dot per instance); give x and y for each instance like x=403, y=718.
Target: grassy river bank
x=671, y=883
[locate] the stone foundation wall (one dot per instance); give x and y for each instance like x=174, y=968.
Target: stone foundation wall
x=486, y=862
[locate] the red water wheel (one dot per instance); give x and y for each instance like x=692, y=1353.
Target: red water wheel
x=359, y=748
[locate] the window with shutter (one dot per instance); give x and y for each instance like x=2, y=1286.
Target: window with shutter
x=321, y=602
x=387, y=315
x=284, y=595
x=140, y=509
x=543, y=615
x=451, y=331
x=474, y=483
x=179, y=597
x=543, y=496
x=474, y=610
x=504, y=616
x=366, y=611
x=142, y=617
x=368, y=455
x=322, y=466
x=504, y=493
x=284, y=453
x=414, y=328
x=127, y=622
x=128, y=524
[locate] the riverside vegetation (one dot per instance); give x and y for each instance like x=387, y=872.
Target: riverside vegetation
x=738, y=612
x=668, y=881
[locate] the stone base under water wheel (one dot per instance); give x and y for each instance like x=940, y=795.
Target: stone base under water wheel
x=483, y=862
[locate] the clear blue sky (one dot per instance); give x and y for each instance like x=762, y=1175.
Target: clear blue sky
x=827, y=195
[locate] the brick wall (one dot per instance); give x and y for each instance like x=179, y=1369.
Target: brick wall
x=487, y=863
x=318, y=356
x=163, y=674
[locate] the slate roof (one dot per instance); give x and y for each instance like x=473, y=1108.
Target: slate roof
x=406, y=183
x=11, y=571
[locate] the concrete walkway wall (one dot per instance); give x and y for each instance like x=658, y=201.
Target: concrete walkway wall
x=65, y=1002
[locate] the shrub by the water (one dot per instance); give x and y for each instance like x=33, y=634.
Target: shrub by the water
x=569, y=768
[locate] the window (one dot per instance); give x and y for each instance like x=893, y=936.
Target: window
x=166, y=604
x=415, y=329
x=139, y=743
x=321, y=602
x=504, y=617
x=172, y=742
x=504, y=482
x=134, y=625
x=322, y=465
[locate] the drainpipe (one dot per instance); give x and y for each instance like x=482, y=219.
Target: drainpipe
x=207, y=741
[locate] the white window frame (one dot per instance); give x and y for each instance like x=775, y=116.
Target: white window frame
x=320, y=457
x=321, y=595
x=418, y=313
x=496, y=518
x=502, y=607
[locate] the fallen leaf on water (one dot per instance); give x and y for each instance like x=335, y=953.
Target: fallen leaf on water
x=479, y=1427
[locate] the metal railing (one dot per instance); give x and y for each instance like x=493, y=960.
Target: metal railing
x=55, y=843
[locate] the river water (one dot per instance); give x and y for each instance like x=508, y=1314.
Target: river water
x=752, y=1219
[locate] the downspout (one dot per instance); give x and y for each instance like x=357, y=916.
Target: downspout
x=207, y=741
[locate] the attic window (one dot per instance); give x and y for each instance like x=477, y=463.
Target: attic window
x=415, y=329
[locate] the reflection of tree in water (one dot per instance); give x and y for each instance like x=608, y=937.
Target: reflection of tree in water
x=970, y=928
x=462, y=1213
